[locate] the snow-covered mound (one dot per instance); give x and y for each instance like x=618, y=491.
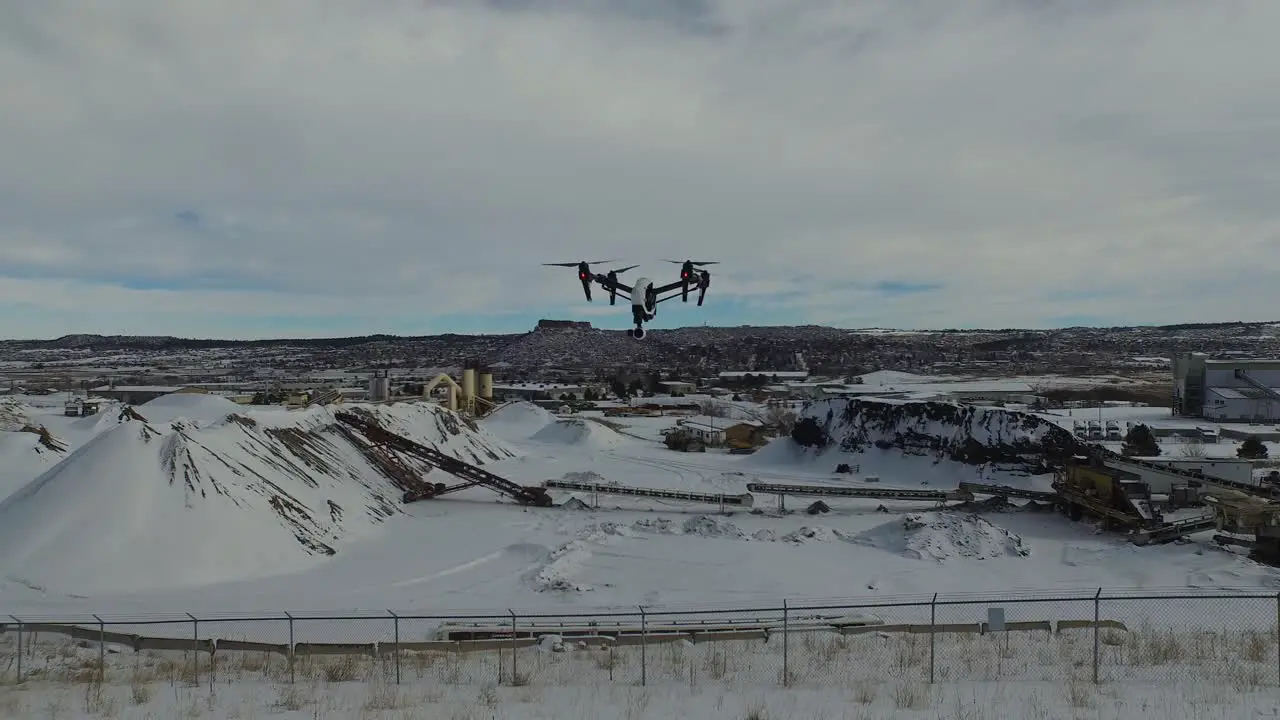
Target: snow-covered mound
x=517, y=421
x=966, y=433
x=147, y=504
x=945, y=536
x=195, y=407
x=580, y=432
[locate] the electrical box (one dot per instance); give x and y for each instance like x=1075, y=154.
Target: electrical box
x=995, y=619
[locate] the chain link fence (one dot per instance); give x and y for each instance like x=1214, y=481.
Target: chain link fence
x=895, y=646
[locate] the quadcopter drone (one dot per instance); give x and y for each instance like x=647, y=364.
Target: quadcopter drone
x=643, y=295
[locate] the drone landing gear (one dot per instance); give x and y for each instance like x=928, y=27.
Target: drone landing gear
x=638, y=317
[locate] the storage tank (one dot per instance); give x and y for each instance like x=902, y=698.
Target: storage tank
x=380, y=386
x=486, y=385
x=468, y=384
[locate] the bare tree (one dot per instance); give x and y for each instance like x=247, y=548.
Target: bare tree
x=1193, y=448
x=781, y=418
x=711, y=408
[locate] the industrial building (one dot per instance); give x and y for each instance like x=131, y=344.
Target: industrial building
x=1226, y=390
x=537, y=391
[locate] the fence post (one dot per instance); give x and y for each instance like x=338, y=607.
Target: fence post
x=395, y=624
x=1277, y=636
x=1097, y=619
x=290, y=617
x=786, y=654
x=102, y=649
x=195, y=648
x=20, y=629
x=514, y=680
x=644, y=647
x=933, y=635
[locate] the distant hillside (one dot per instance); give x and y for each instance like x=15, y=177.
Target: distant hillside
x=1017, y=335
x=695, y=351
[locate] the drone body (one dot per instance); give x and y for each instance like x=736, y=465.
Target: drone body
x=644, y=296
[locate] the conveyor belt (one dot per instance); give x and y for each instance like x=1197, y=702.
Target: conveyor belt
x=1174, y=530
x=841, y=491
x=452, y=465
x=1008, y=492
x=709, y=498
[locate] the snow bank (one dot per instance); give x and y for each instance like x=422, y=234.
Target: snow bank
x=945, y=536
x=148, y=505
x=714, y=527
x=517, y=421
x=579, y=432
x=568, y=559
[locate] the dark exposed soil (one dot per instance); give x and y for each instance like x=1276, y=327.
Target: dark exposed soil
x=856, y=425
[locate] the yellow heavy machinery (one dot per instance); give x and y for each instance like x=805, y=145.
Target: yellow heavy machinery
x=1119, y=498
x=1241, y=513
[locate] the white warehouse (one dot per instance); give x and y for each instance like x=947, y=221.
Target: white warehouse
x=1226, y=390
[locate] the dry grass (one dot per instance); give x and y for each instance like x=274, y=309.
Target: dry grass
x=872, y=675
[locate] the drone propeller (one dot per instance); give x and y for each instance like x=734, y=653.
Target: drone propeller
x=580, y=262
x=619, y=271
x=584, y=273
x=699, y=263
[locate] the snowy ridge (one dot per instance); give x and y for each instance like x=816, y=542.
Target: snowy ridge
x=191, y=502
x=966, y=433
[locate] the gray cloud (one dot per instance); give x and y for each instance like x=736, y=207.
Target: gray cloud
x=433, y=154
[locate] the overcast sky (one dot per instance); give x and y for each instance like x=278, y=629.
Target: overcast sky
x=241, y=168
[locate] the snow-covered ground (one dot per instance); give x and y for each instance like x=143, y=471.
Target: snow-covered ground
x=175, y=514
x=113, y=529
x=1012, y=676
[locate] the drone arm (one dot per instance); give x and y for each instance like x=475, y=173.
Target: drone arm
x=612, y=285
x=680, y=287
x=678, y=292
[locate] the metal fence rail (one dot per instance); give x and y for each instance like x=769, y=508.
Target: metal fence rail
x=1098, y=637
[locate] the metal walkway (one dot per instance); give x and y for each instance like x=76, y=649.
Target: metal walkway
x=1120, y=462
x=1257, y=384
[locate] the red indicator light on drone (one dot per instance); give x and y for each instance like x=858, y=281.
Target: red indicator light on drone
x=684, y=274
x=582, y=276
